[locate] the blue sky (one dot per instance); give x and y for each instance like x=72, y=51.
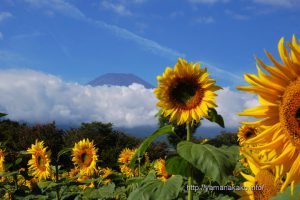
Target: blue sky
x=78, y=40
x=49, y=49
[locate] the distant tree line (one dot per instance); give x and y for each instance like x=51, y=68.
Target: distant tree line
x=16, y=137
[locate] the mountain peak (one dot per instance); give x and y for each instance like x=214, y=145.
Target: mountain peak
x=119, y=79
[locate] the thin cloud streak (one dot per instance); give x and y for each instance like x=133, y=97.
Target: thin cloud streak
x=71, y=11
x=222, y=71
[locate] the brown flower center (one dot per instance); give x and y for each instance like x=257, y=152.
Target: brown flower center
x=290, y=112
x=267, y=186
x=186, y=93
x=249, y=134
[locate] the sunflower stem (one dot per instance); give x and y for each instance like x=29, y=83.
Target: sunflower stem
x=190, y=178
x=56, y=180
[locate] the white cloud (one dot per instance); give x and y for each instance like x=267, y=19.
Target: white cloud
x=284, y=3
x=117, y=8
x=37, y=97
x=205, y=20
x=33, y=96
x=208, y=1
x=4, y=16
x=71, y=11
x=231, y=102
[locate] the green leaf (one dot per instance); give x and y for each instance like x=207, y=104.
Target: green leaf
x=45, y=185
x=63, y=151
x=147, y=142
x=101, y=193
x=18, y=161
x=213, y=116
x=6, y=174
x=2, y=114
x=23, y=152
x=30, y=197
x=157, y=189
x=213, y=162
x=287, y=194
x=177, y=165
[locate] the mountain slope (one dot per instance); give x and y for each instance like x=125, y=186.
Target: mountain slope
x=119, y=79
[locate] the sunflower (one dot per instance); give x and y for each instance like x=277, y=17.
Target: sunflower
x=85, y=156
x=73, y=172
x=105, y=173
x=262, y=186
x=126, y=170
x=246, y=132
x=185, y=93
x=264, y=182
x=161, y=171
x=279, y=110
x=126, y=155
x=39, y=164
x=2, y=157
x=32, y=183
x=84, y=185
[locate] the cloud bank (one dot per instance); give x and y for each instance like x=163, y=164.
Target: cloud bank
x=36, y=97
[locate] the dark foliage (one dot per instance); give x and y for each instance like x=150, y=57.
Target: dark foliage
x=18, y=137
x=224, y=138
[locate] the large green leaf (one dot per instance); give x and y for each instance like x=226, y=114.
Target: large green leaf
x=144, y=146
x=213, y=116
x=157, y=189
x=177, y=165
x=287, y=194
x=213, y=162
x=101, y=193
x=232, y=151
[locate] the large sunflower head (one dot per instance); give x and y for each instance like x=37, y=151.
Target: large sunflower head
x=85, y=156
x=161, y=171
x=39, y=164
x=278, y=91
x=185, y=93
x=126, y=155
x=2, y=158
x=246, y=132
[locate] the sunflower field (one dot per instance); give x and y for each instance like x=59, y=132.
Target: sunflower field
x=264, y=163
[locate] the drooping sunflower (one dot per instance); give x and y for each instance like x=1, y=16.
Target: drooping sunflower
x=2, y=158
x=262, y=185
x=105, y=173
x=279, y=110
x=246, y=132
x=84, y=156
x=39, y=164
x=161, y=171
x=185, y=93
x=126, y=155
